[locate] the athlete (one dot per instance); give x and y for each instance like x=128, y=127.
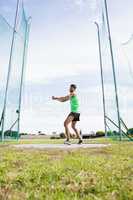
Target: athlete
x=74, y=115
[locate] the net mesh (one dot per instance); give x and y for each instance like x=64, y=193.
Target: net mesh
x=10, y=126
x=124, y=80
x=5, y=38
x=112, y=122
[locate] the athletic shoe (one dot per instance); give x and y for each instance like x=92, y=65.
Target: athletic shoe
x=67, y=142
x=80, y=142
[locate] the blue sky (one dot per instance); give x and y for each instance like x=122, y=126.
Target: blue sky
x=62, y=50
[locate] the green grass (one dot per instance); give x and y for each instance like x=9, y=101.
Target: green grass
x=87, y=174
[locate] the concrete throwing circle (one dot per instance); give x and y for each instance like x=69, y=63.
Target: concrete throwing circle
x=59, y=146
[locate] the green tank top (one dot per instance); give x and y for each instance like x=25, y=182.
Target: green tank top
x=74, y=102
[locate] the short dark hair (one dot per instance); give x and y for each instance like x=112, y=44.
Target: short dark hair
x=73, y=86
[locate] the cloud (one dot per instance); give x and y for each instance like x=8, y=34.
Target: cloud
x=92, y=8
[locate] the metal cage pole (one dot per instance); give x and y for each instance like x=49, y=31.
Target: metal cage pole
x=9, y=69
x=23, y=68
x=113, y=68
x=102, y=79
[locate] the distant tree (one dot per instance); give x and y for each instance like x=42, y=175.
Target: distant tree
x=23, y=133
x=130, y=131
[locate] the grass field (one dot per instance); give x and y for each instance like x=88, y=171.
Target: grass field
x=87, y=174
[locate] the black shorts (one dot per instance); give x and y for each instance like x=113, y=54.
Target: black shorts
x=76, y=116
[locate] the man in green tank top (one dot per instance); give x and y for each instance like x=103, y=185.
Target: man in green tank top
x=74, y=115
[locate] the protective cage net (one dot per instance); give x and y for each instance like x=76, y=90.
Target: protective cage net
x=116, y=123
x=112, y=120
x=11, y=84
x=123, y=53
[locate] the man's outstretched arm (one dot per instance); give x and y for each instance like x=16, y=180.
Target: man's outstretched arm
x=61, y=99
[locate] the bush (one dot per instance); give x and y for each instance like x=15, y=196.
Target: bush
x=130, y=132
x=23, y=134
x=89, y=136
x=100, y=134
x=116, y=133
x=9, y=133
x=113, y=134
x=62, y=135
x=54, y=137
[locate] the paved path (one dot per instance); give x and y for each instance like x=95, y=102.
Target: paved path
x=59, y=146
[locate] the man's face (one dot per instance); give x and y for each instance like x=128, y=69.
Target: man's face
x=71, y=89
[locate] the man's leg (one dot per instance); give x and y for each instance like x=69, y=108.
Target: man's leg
x=66, y=123
x=76, y=130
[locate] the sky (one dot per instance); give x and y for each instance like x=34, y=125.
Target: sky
x=62, y=50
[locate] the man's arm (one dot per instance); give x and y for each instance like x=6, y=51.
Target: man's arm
x=61, y=99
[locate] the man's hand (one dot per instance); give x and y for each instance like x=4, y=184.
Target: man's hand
x=61, y=99
x=54, y=98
